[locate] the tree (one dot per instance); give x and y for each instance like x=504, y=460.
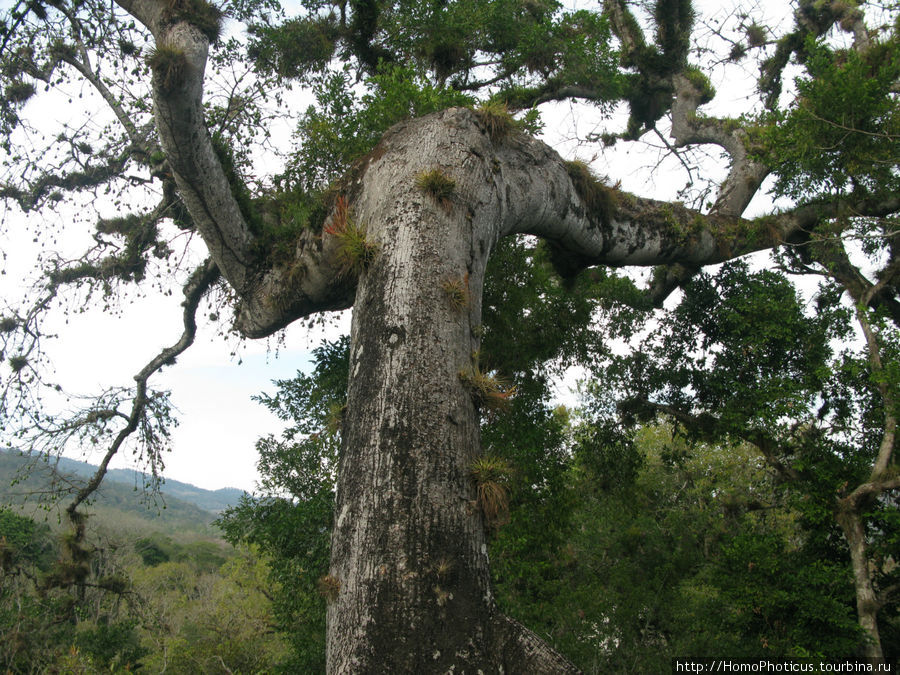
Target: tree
x=46, y=622
x=524, y=468
x=394, y=204
x=741, y=358
x=691, y=548
x=26, y=549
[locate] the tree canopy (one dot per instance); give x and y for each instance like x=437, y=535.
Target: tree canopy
x=416, y=166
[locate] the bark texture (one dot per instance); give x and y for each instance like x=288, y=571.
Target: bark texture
x=409, y=555
x=867, y=605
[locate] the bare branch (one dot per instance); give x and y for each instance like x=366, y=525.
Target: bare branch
x=83, y=66
x=194, y=290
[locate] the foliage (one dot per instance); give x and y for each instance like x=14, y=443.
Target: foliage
x=531, y=438
x=744, y=358
x=108, y=646
x=489, y=391
x=438, y=185
x=842, y=134
x=344, y=126
x=23, y=542
x=525, y=304
x=291, y=521
x=696, y=551
x=679, y=546
x=213, y=620
x=26, y=550
x=354, y=251
x=738, y=328
x=294, y=49
x=149, y=600
x=46, y=618
x=446, y=44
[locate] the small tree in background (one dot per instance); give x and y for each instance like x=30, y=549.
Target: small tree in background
x=743, y=358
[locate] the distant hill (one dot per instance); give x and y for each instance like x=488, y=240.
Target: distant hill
x=178, y=505
x=215, y=501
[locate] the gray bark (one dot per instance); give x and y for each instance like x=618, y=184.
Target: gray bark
x=408, y=551
x=867, y=604
x=745, y=176
x=178, y=110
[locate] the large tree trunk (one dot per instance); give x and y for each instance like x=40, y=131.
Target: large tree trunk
x=410, y=583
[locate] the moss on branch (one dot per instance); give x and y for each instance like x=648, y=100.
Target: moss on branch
x=600, y=199
x=169, y=65
x=438, y=185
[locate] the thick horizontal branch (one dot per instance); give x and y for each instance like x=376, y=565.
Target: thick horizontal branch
x=533, y=193
x=522, y=186
x=867, y=491
x=637, y=231
x=553, y=90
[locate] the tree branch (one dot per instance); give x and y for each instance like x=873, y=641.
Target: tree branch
x=866, y=491
x=33, y=196
x=196, y=287
x=83, y=66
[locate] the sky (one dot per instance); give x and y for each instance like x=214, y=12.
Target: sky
x=212, y=384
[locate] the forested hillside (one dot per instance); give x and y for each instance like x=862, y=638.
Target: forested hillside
x=24, y=478
x=158, y=583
